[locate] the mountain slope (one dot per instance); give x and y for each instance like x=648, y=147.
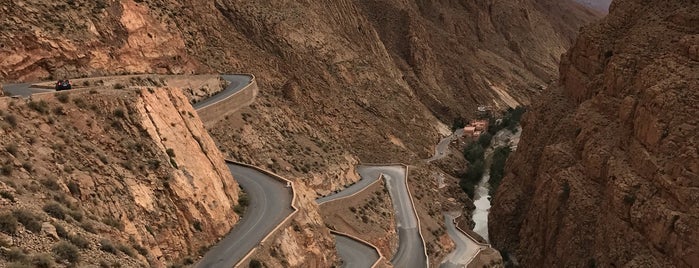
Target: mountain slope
x=606, y=172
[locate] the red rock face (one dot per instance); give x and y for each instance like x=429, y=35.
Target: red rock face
x=607, y=172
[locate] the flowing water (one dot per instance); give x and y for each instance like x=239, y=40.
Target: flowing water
x=482, y=192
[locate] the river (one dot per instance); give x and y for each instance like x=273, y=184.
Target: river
x=481, y=195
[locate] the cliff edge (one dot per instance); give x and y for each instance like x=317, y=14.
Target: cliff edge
x=607, y=171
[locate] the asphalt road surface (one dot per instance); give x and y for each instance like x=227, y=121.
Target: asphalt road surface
x=237, y=82
x=355, y=254
x=442, y=148
x=466, y=249
x=354, y=188
x=23, y=90
x=270, y=203
x=411, y=248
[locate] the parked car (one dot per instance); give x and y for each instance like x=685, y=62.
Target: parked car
x=63, y=85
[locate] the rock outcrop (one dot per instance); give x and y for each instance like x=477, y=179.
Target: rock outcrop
x=134, y=166
x=607, y=171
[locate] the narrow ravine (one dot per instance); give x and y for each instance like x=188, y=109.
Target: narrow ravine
x=481, y=195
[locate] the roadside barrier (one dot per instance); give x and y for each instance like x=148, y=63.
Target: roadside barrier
x=282, y=223
x=376, y=263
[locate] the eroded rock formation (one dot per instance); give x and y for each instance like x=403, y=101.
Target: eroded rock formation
x=607, y=170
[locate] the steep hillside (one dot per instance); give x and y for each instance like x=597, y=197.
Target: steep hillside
x=115, y=172
x=607, y=170
x=342, y=82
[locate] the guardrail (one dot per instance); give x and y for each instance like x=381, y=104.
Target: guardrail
x=481, y=245
x=376, y=263
x=214, y=112
x=412, y=204
x=284, y=222
x=352, y=195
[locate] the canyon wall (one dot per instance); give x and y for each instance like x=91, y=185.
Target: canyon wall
x=607, y=170
x=134, y=166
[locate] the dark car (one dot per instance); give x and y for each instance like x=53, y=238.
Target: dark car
x=63, y=85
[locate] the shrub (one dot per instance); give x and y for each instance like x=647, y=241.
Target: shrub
x=8, y=223
x=80, y=103
x=74, y=188
x=11, y=119
x=62, y=97
x=88, y=226
x=197, y=226
x=127, y=250
x=474, y=152
x=107, y=246
x=119, y=113
x=42, y=260
x=497, y=168
x=7, y=168
x=66, y=251
x=114, y=222
x=7, y=195
x=484, y=139
x=28, y=166
x=12, y=148
x=40, y=106
x=30, y=220
x=55, y=210
x=51, y=184
x=141, y=250
x=170, y=152
x=76, y=214
x=60, y=230
x=119, y=86
x=79, y=241
x=15, y=254
x=254, y=263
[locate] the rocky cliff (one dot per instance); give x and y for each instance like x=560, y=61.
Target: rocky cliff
x=607, y=170
x=134, y=169
x=342, y=82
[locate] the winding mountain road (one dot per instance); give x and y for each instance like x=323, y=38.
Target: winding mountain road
x=270, y=204
x=442, y=148
x=355, y=254
x=466, y=247
x=411, y=247
x=270, y=199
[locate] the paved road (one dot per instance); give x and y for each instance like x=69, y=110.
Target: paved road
x=355, y=254
x=270, y=202
x=24, y=89
x=442, y=148
x=354, y=188
x=466, y=249
x=237, y=82
x=411, y=248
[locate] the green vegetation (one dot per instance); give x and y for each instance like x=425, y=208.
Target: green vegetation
x=55, y=210
x=62, y=97
x=475, y=153
x=107, y=246
x=8, y=223
x=243, y=202
x=458, y=123
x=510, y=120
x=42, y=260
x=66, y=251
x=30, y=220
x=7, y=195
x=497, y=168
x=39, y=106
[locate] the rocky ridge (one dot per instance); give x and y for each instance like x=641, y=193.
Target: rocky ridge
x=606, y=171
x=141, y=172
